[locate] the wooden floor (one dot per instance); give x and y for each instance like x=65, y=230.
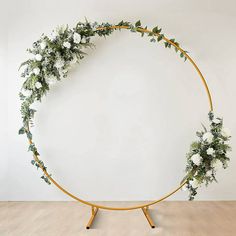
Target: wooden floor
x=70, y=218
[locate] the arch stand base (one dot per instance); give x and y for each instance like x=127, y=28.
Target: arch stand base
x=95, y=210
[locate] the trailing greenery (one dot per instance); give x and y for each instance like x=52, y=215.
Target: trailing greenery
x=50, y=60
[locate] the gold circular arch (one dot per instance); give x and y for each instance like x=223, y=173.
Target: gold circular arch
x=170, y=193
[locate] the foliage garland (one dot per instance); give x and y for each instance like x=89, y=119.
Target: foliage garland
x=52, y=56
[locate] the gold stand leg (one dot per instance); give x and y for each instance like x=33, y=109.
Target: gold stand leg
x=149, y=219
x=94, y=212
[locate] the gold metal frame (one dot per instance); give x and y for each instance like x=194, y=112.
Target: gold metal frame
x=143, y=207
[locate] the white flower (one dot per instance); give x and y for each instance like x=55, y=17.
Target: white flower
x=38, y=85
x=36, y=71
x=217, y=164
x=51, y=80
x=76, y=38
x=59, y=64
x=196, y=159
x=83, y=40
x=67, y=45
x=194, y=183
x=226, y=132
x=216, y=121
x=208, y=137
x=26, y=92
x=43, y=45
x=210, y=151
x=38, y=57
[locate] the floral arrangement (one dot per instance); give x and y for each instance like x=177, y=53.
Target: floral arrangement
x=207, y=155
x=50, y=60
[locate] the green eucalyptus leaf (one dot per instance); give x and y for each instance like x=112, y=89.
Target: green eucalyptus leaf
x=160, y=37
x=22, y=130
x=138, y=24
x=152, y=40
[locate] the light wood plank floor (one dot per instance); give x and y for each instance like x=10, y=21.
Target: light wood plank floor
x=70, y=219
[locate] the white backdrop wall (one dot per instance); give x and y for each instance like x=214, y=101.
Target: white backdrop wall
x=119, y=126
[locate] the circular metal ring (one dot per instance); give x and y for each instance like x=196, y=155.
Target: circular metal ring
x=173, y=191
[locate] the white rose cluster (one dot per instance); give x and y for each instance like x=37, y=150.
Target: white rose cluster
x=207, y=155
x=67, y=39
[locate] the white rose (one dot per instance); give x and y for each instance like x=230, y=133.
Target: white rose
x=210, y=151
x=51, y=79
x=36, y=71
x=208, y=137
x=38, y=57
x=38, y=85
x=194, y=183
x=26, y=92
x=196, y=159
x=216, y=121
x=67, y=45
x=43, y=45
x=59, y=64
x=226, y=132
x=217, y=164
x=76, y=38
